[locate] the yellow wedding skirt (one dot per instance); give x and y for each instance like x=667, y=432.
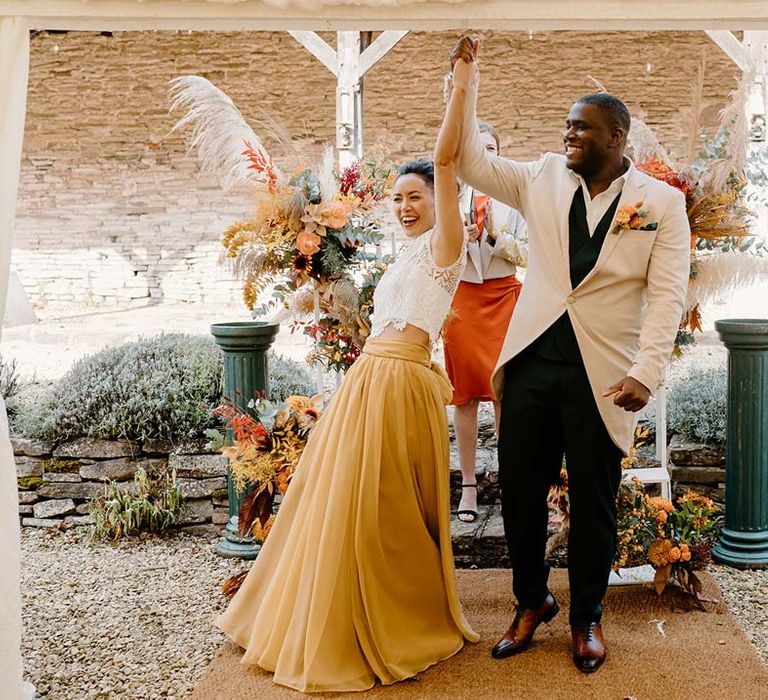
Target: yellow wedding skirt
x=356, y=579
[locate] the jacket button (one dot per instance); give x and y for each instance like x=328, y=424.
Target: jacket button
x=569, y=300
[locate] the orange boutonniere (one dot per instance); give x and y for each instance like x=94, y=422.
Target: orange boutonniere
x=629, y=217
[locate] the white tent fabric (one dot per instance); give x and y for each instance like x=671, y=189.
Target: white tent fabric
x=11, y=686
x=14, y=67
x=14, y=63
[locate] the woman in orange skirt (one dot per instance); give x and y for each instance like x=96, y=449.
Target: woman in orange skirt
x=482, y=308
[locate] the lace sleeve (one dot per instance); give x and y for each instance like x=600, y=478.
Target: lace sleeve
x=449, y=276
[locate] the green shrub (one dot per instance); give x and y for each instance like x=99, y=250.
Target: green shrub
x=696, y=404
x=160, y=387
x=11, y=385
x=288, y=378
x=155, y=506
x=163, y=387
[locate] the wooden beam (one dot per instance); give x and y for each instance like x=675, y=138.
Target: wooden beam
x=732, y=47
x=319, y=49
x=382, y=45
x=429, y=15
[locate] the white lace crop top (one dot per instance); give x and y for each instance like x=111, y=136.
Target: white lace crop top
x=415, y=290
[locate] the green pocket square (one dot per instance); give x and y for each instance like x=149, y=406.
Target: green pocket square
x=649, y=227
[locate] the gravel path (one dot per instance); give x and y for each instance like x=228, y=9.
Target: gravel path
x=135, y=620
x=128, y=621
x=746, y=593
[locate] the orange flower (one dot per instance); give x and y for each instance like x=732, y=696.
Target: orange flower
x=300, y=404
x=661, y=517
x=334, y=214
x=658, y=553
x=661, y=504
x=623, y=216
x=673, y=555
x=308, y=243
x=685, y=553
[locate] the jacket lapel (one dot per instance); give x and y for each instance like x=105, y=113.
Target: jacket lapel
x=473, y=250
x=565, y=209
x=632, y=193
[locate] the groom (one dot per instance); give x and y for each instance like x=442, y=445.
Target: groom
x=592, y=331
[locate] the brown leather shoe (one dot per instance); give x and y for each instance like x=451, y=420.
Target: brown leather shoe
x=520, y=632
x=588, y=646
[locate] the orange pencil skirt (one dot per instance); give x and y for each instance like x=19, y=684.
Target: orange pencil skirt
x=474, y=334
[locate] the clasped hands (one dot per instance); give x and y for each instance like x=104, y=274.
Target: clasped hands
x=464, y=62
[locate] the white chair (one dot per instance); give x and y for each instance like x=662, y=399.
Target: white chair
x=650, y=475
x=657, y=475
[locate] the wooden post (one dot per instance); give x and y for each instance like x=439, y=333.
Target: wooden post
x=349, y=137
x=351, y=60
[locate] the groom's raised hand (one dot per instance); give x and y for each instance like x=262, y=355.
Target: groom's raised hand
x=629, y=394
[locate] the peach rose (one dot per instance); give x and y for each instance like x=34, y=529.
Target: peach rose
x=308, y=243
x=334, y=214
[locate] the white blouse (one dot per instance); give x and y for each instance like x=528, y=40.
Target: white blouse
x=415, y=290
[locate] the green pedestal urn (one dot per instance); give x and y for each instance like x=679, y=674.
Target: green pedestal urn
x=744, y=539
x=245, y=345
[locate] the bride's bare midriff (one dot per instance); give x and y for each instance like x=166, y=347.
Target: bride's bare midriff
x=410, y=333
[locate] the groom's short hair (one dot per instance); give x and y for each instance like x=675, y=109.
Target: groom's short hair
x=612, y=106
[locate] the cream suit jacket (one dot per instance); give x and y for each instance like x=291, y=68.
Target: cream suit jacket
x=626, y=311
x=483, y=261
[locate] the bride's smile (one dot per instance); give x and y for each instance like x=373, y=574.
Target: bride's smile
x=413, y=203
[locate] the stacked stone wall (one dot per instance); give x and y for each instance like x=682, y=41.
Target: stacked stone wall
x=57, y=485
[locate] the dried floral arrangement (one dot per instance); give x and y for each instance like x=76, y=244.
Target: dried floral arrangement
x=264, y=443
x=675, y=538
x=312, y=229
x=713, y=179
x=265, y=447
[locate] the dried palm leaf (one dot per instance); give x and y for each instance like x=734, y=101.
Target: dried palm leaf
x=734, y=124
x=720, y=274
x=713, y=216
x=341, y=300
x=692, y=115
x=219, y=131
x=233, y=583
x=645, y=146
x=600, y=86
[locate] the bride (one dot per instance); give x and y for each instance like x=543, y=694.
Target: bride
x=356, y=581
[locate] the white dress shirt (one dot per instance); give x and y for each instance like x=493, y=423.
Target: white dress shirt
x=597, y=206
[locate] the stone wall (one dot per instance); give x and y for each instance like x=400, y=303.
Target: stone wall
x=113, y=209
x=57, y=485
x=700, y=468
